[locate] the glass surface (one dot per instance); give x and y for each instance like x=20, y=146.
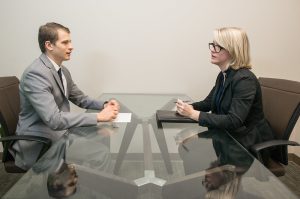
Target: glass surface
x=147, y=159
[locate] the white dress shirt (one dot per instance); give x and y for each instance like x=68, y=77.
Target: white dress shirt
x=57, y=67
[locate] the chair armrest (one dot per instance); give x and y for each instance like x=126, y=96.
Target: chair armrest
x=43, y=140
x=9, y=140
x=260, y=146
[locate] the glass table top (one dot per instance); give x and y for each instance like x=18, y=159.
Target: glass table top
x=147, y=159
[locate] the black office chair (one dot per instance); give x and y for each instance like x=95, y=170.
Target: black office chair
x=281, y=104
x=9, y=113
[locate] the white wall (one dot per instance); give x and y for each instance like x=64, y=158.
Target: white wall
x=155, y=46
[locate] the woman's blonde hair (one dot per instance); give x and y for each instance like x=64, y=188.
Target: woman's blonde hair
x=226, y=191
x=235, y=41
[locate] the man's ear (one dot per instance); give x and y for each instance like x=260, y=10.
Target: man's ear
x=48, y=45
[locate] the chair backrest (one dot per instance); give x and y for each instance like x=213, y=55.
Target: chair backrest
x=281, y=104
x=9, y=104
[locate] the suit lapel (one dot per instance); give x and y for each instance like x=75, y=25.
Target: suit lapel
x=215, y=92
x=228, y=81
x=229, y=78
x=48, y=64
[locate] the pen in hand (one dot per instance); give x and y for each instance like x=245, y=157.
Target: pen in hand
x=185, y=147
x=185, y=101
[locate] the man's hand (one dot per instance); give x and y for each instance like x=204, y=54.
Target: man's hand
x=108, y=114
x=114, y=103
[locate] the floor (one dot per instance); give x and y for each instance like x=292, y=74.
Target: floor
x=7, y=180
x=292, y=178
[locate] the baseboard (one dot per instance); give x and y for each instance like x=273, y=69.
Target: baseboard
x=293, y=157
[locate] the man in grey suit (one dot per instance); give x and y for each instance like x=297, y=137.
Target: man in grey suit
x=46, y=87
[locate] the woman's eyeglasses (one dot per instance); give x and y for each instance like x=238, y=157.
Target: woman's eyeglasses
x=215, y=47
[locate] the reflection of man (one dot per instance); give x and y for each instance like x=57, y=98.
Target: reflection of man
x=82, y=148
x=46, y=87
x=89, y=147
x=62, y=183
x=61, y=176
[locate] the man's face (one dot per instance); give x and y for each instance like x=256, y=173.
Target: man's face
x=61, y=50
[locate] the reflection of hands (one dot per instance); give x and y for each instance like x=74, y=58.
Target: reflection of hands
x=105, y=130
x=186, y=134
x=107, y=114
x=179, y=139
x=187, y=110
x=182, y=141
x=190, y=138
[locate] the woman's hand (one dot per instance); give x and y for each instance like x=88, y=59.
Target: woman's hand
x=187, y=110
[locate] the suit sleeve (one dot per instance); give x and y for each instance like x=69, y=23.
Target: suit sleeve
x=80, y=99
x=204, y=105
x=242, y=99
x=77, y=97
x=38, y=90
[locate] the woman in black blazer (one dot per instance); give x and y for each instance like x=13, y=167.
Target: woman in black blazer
x=235, y=102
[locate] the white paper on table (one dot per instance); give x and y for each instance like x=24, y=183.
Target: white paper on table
x=123, y=117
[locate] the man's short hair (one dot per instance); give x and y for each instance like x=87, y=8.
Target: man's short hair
x=48, y=32
x=63, y=183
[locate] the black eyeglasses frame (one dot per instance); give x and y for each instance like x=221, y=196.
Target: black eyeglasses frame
x=213, y=46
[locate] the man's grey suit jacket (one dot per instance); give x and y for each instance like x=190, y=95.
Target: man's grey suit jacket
x=45, y=109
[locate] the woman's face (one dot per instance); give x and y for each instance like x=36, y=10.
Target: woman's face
x=219, y=56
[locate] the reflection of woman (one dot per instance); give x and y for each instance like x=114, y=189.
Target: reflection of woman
x=222, y=178
x=235, y=101
x=231, y=164
x=221, y=183
x=225, y=149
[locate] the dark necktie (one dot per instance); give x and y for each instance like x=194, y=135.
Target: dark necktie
x=60, y=77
